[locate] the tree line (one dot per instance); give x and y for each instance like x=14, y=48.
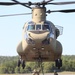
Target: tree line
x=9, y=65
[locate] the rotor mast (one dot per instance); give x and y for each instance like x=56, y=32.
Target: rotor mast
x=38, y=14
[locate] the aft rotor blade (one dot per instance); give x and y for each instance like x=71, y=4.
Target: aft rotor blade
x=65, y=11
x=15, y=14
x=62, y=3
x=48, y=1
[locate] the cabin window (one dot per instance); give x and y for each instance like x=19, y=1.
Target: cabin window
x=45, y=27
x=31, y=27
x=38, y=27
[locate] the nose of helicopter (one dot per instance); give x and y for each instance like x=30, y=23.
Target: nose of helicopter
x=38, y=38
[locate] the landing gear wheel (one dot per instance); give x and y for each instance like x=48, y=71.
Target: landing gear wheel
x=19, y=62
x=58, y=63
x=23, y=64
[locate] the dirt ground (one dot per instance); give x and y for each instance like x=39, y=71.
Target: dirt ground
x=63, y=73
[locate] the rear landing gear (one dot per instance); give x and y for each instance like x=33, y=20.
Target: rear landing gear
x=21, y=62
x=58, y=63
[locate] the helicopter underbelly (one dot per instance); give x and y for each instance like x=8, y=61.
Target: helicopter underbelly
x=45, y=52
x=31, y=52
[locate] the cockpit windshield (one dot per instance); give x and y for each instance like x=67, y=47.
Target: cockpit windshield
x=45, y=27
x=38, y=27
x=31, y=27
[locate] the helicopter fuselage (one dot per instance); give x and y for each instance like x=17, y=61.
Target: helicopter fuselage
x=39, y=40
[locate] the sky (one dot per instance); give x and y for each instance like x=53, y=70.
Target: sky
x=11, y=27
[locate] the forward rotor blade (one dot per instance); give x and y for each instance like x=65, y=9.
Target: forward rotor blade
x=65, y=11
x=10, y=3
x=62, y=3
x=21, y=4
x=7, y=3
x=15, y=14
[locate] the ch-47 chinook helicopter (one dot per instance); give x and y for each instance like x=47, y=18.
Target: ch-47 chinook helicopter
x=39, y=37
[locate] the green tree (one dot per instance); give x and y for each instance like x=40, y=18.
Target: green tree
x=17, y=70
x=3, y=69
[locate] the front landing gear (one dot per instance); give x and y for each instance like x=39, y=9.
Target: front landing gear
x=21, y=62
x=58, y=63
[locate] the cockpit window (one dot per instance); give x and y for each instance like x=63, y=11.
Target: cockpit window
x=31, y=27
x=45, y=27
x=38, y=27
